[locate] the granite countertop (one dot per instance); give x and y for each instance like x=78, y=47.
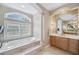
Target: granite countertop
x=76, y=37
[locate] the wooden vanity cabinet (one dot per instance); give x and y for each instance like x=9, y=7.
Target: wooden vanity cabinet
x=59, y=42
x=53, y=40
x=63, y=43
x=74, y=46
x=70, y=45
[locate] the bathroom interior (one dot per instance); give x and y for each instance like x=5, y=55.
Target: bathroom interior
x=39, y=28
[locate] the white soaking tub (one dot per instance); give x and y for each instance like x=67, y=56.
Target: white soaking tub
x=19, y=46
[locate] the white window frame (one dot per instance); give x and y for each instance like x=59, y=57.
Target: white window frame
x=14, y=37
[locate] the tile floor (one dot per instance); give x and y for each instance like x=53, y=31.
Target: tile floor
x=53, y=51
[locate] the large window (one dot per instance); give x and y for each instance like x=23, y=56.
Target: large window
x=17, y=25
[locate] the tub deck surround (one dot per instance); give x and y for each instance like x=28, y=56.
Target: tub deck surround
x=19, y=46
x=24, y=50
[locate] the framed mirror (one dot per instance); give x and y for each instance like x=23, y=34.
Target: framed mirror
x=70, y=27
x=70, y=22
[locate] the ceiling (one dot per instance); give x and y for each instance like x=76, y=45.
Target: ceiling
x=28, y=8
x=25, y=7
x=52, y=6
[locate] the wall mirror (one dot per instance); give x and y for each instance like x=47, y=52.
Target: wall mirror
x=70, y=22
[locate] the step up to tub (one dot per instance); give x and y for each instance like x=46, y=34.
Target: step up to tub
x=31, y=51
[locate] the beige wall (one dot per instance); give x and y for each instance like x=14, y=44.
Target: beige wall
x=37, y=26
x=46, y=25
x=43, y=19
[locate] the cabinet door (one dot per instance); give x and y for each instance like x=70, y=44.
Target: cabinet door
x=53, y=40
x=63, y=43
x=74, y=46
x=58, y=42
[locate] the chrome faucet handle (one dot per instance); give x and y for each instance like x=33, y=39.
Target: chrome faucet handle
x=0, y=44
x=1, y=29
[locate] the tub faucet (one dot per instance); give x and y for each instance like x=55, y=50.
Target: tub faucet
x=0, y=44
